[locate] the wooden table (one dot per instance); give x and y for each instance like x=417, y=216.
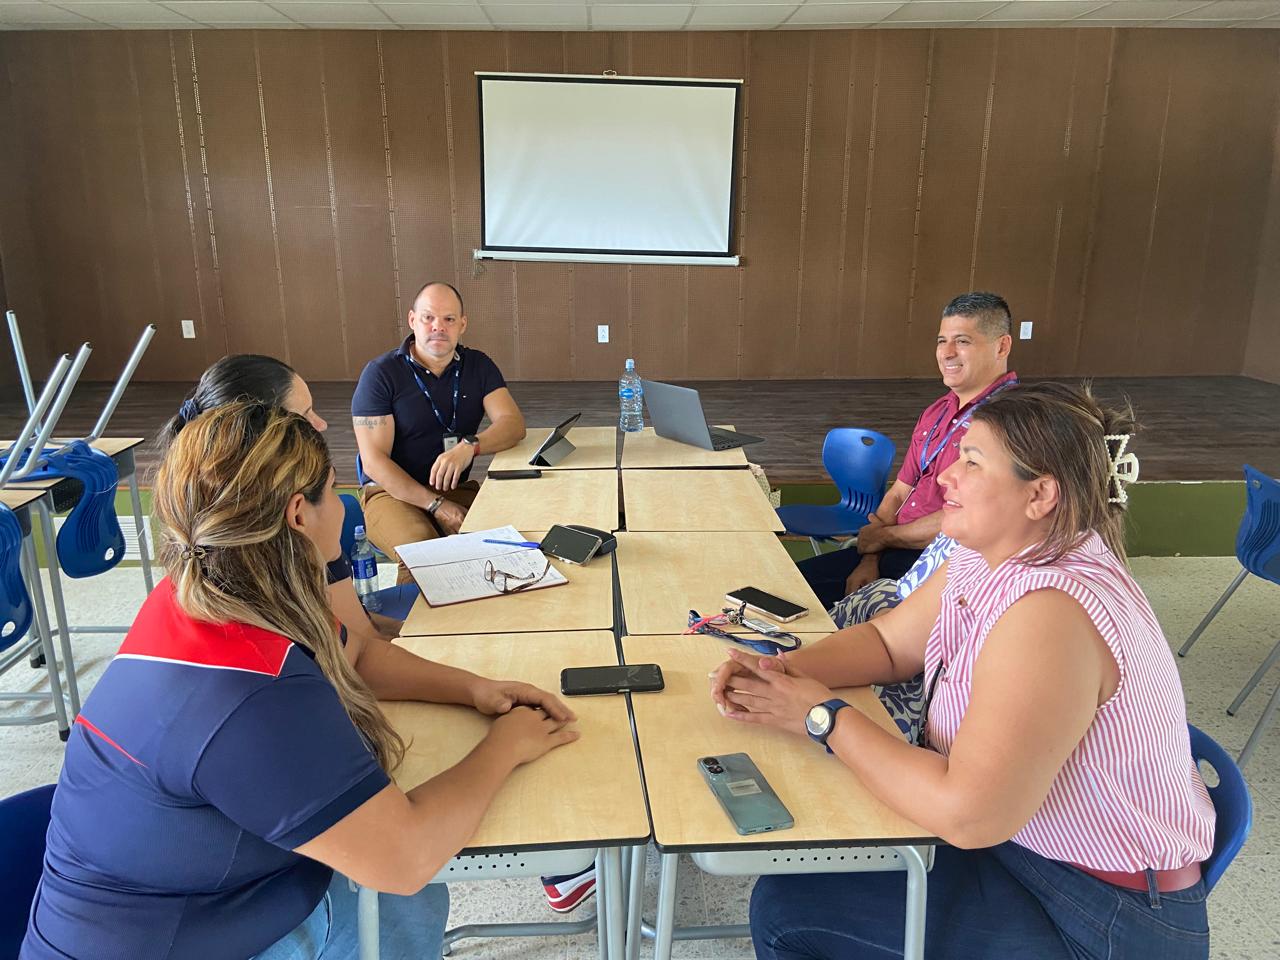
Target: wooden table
x=19, y=498
x=647, y=449
x=665, y=575
x=584, y=603
x=587, y=794
x=588, y=497
x=830, y=805
x=597, y=449
x=696, y=500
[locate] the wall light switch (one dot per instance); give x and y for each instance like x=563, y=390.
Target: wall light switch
x=188, y=329
x=1024, y=332
x=602, y=333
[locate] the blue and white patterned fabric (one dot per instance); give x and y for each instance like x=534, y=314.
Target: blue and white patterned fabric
x=905, y=700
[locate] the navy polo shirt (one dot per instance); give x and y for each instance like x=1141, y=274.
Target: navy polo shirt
x=203, y=757
x=388, y=386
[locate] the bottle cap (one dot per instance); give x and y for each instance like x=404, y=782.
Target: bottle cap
x=359, y=532
x=631, y=364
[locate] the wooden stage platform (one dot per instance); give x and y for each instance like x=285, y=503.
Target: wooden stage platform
x=1194, y=428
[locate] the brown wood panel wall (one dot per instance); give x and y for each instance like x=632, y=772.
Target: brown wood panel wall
x=289, y=191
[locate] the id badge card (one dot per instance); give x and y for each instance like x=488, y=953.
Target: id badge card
x=450, y=441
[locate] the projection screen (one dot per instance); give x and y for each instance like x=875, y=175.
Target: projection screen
x=614, y=169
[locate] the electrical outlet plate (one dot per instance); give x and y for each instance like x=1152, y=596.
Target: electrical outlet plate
x=602, y=333
x=1024, y=332
x=188, y=329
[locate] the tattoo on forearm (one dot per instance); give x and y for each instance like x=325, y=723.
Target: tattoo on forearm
x=368, y=421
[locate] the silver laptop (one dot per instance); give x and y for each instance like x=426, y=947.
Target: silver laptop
x=676, y=413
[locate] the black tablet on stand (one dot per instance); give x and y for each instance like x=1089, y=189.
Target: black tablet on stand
x=557, y=446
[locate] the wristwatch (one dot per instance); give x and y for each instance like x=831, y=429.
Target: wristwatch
x=821, y=720
x=472, y=439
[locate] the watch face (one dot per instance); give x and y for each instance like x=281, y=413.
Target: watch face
x=818, y=720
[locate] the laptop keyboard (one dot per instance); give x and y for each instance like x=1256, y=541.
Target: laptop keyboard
x=723, y=439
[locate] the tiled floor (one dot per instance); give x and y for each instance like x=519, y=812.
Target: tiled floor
x=1244, y=909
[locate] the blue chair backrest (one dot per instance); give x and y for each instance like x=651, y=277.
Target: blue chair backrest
x=24, y=821
x=858, y=462
x=353, y=519
x=1231, y=802
x=1258, y=540
x=15, y=602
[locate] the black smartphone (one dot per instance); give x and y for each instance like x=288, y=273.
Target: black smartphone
x=783, y=611
x=568, y=543
x=513, y=474
x=628, y=678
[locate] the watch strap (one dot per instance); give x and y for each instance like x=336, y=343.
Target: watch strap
x=835, y=705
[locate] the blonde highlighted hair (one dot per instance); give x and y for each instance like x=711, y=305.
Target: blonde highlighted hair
x=220, y=496
x=1058, y=430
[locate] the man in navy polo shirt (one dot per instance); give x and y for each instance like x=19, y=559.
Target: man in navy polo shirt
x=974, y=339
x=417, y=411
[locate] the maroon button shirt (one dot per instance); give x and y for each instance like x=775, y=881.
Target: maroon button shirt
x=939, y=417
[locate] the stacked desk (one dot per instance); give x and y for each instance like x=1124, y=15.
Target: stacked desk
x=693, y=525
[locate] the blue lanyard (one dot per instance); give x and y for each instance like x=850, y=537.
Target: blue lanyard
x=451, y=428
x=926, y=459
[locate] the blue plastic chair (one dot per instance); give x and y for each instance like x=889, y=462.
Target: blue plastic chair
x=354, y=518
x=858, y=463
x=15, y=603
x=1258, y=550
x=24, y=821
x=1231, y=801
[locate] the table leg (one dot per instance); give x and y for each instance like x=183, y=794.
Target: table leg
x=32, y=566
x=367, y=918
x=917, y=890
x=635, y=899
x=143, y=552
x=59, y=603
x=602, y=912
x=613, y=904
x=665, y=921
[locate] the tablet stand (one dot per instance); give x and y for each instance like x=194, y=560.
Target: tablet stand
x=552, y=454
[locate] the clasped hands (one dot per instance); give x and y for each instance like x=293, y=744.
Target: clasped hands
x=765, y=690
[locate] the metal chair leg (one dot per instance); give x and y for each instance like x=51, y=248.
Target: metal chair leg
x=1263, y=722
x=1258, y=674
x=1213, y=612
x=817, y=547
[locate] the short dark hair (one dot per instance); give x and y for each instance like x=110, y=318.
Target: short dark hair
x=462, y=309
x=989, y=309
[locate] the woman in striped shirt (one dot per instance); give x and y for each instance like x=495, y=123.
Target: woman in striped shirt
x=1056, y=760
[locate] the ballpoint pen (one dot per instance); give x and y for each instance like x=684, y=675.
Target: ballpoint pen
x=529, y=544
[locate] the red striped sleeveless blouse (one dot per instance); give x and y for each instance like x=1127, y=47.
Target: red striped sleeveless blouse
x=1129, y=796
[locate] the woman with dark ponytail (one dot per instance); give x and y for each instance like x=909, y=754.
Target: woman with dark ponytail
x=250, y=376
x=1054, y=760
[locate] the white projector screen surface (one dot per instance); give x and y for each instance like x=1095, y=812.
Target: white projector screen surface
x=617, y=167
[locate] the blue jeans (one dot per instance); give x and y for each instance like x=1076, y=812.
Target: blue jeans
x=1002, y=903
x=410, y=928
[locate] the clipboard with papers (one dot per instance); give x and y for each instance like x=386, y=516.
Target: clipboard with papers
x=452, y=569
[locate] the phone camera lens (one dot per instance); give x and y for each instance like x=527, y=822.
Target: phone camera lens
x=709, y=762
x=716, y=769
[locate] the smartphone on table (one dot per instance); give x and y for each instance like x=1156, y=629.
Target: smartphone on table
x=744, y=794
x=570, y=544
x=775, y=608
x=513, y=474
x=627, y=678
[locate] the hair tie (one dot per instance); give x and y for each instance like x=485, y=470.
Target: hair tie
x=1123, y=468
x=188, y=411
x=190, y=553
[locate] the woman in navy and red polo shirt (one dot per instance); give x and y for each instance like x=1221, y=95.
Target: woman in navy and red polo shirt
x=233, y=756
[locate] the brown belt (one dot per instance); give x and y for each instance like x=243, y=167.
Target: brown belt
x=1167, y=881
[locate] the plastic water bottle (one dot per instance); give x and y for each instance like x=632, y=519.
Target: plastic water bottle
x=364, y=571
x=630, y=401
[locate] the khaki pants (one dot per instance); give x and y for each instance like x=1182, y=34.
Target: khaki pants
x=389, y=522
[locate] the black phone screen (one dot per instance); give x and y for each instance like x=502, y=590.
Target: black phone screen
x=569, y=544
x=633, y=677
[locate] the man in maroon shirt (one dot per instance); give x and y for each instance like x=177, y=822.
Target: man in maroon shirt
x=974, y=340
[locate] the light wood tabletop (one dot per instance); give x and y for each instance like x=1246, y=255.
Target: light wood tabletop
x=584, y=603
x=597, y=449
x=729, y=500
x=665, y=575
x=111, y=446
x=584, y=793
x=588, y=497
x=647, y=449
x=681, y=724
x=15, y=498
